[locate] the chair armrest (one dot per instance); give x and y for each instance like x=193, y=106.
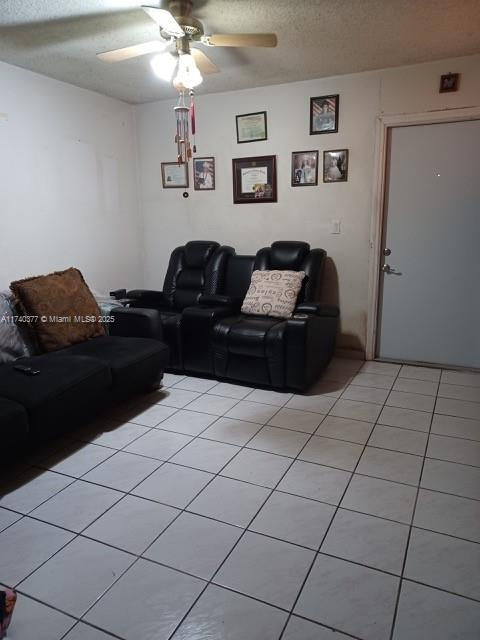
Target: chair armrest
x=133, y=322
x=118, y=294
x=157, y=299
x=318, y=309
x=310, y=343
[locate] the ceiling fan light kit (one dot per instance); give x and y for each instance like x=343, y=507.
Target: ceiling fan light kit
x=163, y=66
x=179, y=27
x=188, y=74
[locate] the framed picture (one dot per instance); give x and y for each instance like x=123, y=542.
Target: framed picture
x=204, y=174
x=304, y=168
x=335, y=165
x=324, y=114
x=449, y=82
x=251, y=127
x=254, y=179
x=174, y=175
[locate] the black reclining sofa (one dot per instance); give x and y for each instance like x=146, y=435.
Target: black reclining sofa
x=76, y=382
x=202, y=296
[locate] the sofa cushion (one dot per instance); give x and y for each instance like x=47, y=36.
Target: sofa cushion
x=273, y=293
x=66, y=391
x=13, y=423
x=250, y=349
x=248, y=335
x=135, y=363
x=65, y=296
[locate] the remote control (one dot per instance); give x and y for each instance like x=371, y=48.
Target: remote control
x=27, y=370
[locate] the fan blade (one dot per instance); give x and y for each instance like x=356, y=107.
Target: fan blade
x=165, y=20
x=243, y=40
x=203, y=61
x=117, y=55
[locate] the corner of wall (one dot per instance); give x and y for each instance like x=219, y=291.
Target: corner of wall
x=139, y=188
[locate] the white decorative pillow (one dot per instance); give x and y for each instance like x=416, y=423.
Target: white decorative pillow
x=273, y=293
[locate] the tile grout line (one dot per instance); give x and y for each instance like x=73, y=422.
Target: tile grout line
x=92, y=626
x=409, y=536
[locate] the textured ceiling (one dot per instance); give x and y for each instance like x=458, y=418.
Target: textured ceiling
x=317, y=38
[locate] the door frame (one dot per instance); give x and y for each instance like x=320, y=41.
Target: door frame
x=383, y=125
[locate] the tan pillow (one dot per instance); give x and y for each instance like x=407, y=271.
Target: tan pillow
x=273, y=293
x=66, y=309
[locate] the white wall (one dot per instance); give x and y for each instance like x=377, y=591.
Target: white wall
x=68, y=183
x=300, y=213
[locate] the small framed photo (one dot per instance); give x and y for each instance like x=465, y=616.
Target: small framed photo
x=251, y=127
x=204, y=174
x=449, y=82
x=254, y=180
x=324, y=114
x=304, y=168
x=335, y=165
x=174, y=175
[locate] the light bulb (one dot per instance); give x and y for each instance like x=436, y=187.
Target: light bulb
x=163, y=65
x=188, y=74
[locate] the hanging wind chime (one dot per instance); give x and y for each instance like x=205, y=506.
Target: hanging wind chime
x=185, y=118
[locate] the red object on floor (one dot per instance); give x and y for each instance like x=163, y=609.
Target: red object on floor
x=8, y=598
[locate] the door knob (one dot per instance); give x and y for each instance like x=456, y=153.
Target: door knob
x=386, y=268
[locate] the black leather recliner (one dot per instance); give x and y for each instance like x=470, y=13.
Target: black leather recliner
x=193, y=270
x=220, y=341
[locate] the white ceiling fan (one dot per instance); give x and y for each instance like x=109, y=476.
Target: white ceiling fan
x=179, y=28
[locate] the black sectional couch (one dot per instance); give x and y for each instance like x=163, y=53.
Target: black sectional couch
x=198, y=316
x=199, y=309
x=76, y=382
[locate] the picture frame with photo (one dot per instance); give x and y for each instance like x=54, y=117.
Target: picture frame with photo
x=251, y=127
x=304, y=168
x=174, y=175
x=335, y=165
x=324, y=114
x=449, y=82
x=204, y=174
x=254, y=180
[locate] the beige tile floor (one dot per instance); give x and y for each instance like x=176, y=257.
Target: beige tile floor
x=214, y=511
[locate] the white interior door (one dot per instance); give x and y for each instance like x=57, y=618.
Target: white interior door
x=429, y=308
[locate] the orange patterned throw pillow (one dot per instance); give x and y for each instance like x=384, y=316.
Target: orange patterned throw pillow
x=273, y=293
x=60, y=308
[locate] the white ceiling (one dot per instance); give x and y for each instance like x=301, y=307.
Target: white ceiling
x=317, y=38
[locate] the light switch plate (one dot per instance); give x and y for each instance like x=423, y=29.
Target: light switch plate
x=334, y=226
